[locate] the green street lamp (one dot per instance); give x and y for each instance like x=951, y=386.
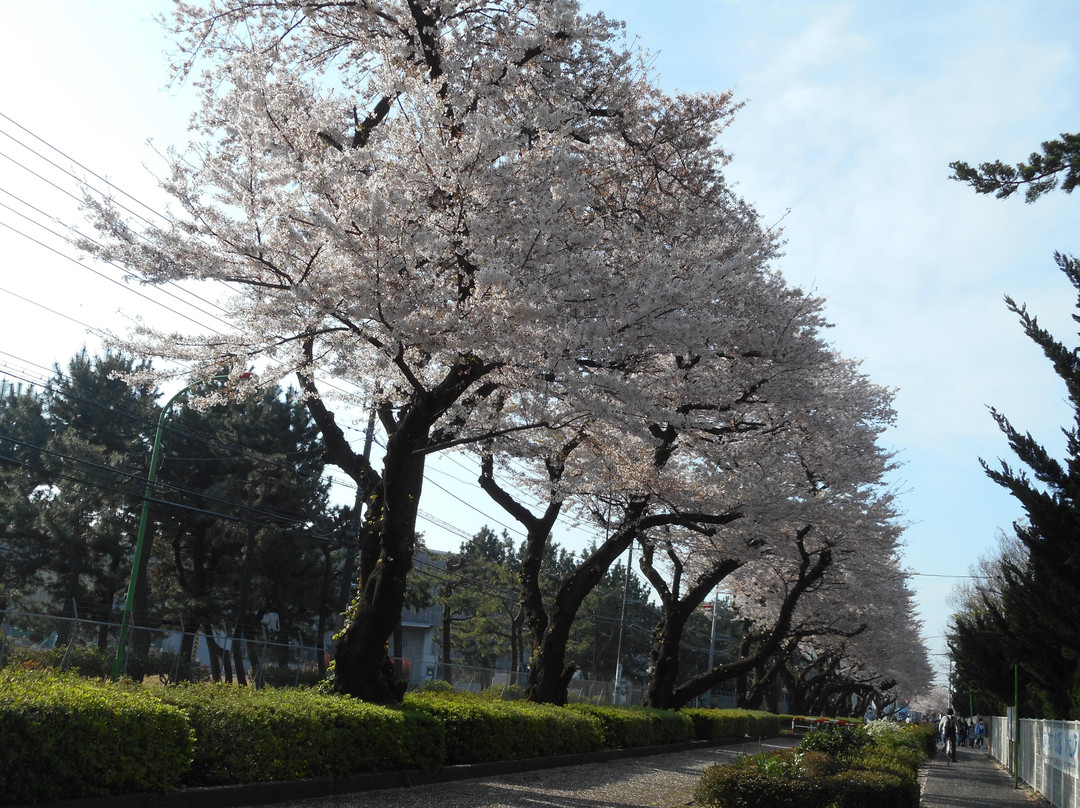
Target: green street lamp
x=144, y=520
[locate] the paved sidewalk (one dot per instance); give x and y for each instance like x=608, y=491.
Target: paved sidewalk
x=975, y=781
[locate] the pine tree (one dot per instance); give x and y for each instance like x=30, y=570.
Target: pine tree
x=250, y=524
x=1043, y=597
x=1059, y=161
x=23, y=432
x=88, y=516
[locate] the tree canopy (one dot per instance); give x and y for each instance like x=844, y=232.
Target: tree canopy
x=490, y=226
x=1026, y=612
x=1057, y=165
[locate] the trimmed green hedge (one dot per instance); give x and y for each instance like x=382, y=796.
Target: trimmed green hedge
x=64, y=736
x=833, y=767
x=482, y=730
x=716, y=725
x=631, y=727
x=759, y=781
x=246, y=735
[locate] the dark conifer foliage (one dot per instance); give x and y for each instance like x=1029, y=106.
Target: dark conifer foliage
x=1030, y=614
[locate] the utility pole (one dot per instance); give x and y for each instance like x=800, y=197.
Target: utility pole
x=139, y=562
x=352, y=548
x=622, y=623
x=712, y=636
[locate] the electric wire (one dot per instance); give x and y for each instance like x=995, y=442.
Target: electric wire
x=138, y=477
x=142, y=218
x=334, y=481
x=168, y=427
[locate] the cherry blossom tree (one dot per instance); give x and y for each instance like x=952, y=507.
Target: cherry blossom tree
x=855, y=639
x=758, y=421
x=483, y=218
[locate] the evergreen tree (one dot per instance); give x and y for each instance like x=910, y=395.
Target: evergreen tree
x=1042, y=597
x=250, y=524
x=1058, y=161
x=87, y=517
x=23, y=432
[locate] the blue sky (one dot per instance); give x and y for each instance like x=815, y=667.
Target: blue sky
x=853, y=112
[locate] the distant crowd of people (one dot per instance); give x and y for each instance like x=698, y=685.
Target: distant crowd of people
x=969, y=732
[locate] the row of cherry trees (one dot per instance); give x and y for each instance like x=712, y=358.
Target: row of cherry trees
x=489, y=221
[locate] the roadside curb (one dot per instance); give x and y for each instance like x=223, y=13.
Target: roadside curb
x=249, y=794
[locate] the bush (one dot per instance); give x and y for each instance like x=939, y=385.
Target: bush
x=817, y=765
x=246, y=735
x=716, y=725
x=630, y=727
x=64, y=736
x=482, y=730
x=284, y=676
x=85, y=661
x=838, y=740
x=860, y=789
x=504, y=692
x=862, y=773
x=921, y=738
x=436, y=686
x=758, y=781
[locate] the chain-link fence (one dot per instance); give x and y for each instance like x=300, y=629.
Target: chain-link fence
x=169, y=654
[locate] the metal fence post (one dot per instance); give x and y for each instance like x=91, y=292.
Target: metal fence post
x=66, y=662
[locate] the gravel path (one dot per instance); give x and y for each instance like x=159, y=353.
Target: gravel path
x=658, y=781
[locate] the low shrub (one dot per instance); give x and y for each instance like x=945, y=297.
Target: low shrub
x=631, y=727
x=64, y=736
x=758, y=781
x=858, y=773
x=86, y=661
x=838, y=740
x=246, y=735
x=817, y=765
x=436, y=686
x=482, y=730
x=716, y=725
x=284, y=676
x=504, y=692
x=861, y=788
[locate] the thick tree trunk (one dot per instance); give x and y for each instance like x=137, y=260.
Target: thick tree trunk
x=664, y=656
x=187, y=648
x=811, y=569
x=388, y=539
x=238, y=649
x=676, y=611
x=549, y=672
x=399, y=654
x=320, y=637
x=226, y=663
x=362, y=667
x=516, y=643
x=447, y=651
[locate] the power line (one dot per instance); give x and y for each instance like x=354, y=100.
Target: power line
x=333, y=480
x=138, y=478
x=933, y=575
x=76, y=162
x=151, y=423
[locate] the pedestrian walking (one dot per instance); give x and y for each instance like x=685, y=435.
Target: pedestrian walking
x=980, y=734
